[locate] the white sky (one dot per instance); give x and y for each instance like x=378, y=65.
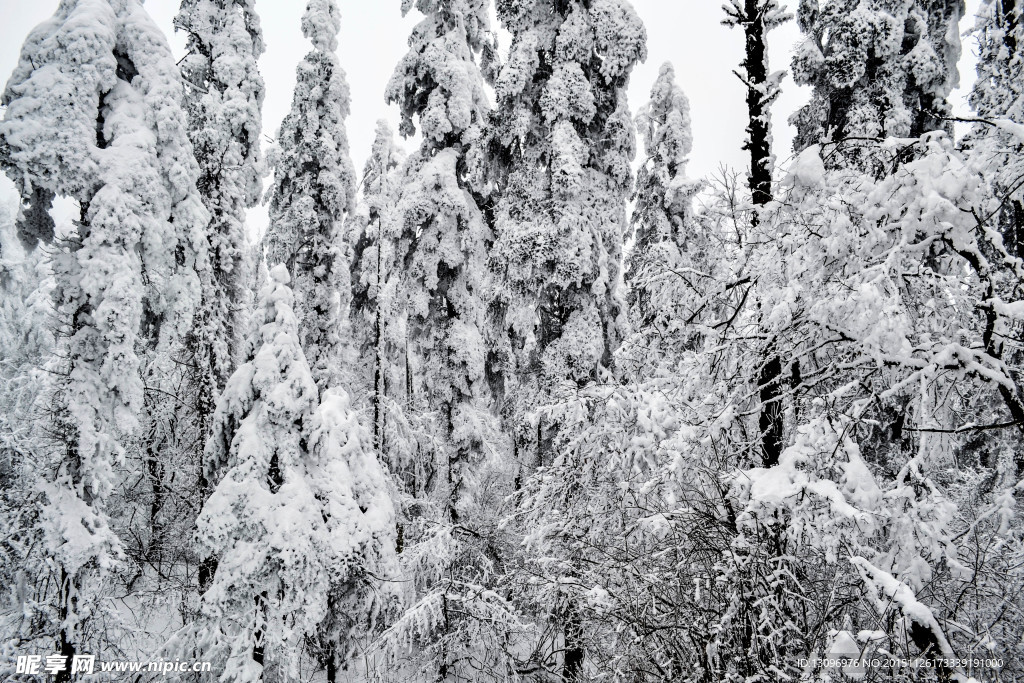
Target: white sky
x=373, y=38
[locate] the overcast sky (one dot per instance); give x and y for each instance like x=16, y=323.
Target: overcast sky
x=373, y=38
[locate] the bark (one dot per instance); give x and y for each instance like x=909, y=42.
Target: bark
x=759, y=144
x=770, y=421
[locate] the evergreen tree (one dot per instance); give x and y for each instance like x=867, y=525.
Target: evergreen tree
x=261, y=521
x=561, y=143
x=300, y=521
x=998, y=93
x=877, y=70
x=440, y=240
x=224, y=97
x=378, y=312
x=441, y=235
x=663, y=216
x=94, y=113
x=314, y=189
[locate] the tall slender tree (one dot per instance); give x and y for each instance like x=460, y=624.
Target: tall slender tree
x=663, y=214
x=377, y=312
x=224, y=98
x=313, y=194
x=301, y=523
x=441, y=234
x=998, y=94
x=758, y=18
x=94, y=113
x=314, y=190
x=441, y=237
x=561, y=141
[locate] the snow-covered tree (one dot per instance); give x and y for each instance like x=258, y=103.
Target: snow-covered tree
x=94, y=113
x=876, y=451
x=439, y=240
x=998, y=97
x=560, y=143
x=877, y=69
x=262, y=521
x=789, y=427
x=224, y=98
x=758, y=18
x=562, y=140
x=314, y=189
x=665, y=245
x=301, y=523
x=439, y=232
x=378, y=313
x=27, y=337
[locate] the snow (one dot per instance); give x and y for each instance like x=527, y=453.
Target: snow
x=887, y=589
x=497, y=406
x=808, y=169
x=302, y=509
x=313, y=194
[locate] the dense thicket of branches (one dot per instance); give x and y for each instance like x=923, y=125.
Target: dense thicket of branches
x=529, y=403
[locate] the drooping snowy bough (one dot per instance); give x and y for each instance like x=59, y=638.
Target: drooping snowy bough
x=301, y=523
x=94, y=114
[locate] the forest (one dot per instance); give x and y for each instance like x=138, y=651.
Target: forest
x=522, y=400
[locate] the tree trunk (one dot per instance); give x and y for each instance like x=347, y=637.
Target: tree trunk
x=64, y=644
x=155, y=471
x=758, y=105
x=572, y=662
x=259, y=635
x=759, y=144
x=770, y=420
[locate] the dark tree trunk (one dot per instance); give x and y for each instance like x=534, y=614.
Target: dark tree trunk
x=759, y=144
x=64, y=644
x=332, y=664
x=208, y=565
x=572, y=662
x=770, y=421
x=155, y=470
x=1011, y=18
x=259, y=637
x=378, y=373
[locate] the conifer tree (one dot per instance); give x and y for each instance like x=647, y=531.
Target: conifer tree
x=94, y=113
x=441, y=235
x=299, y=523
x=314, y=190
x=877, y=69
x=224, y=97
x=439, y=240
x=261, y=521
x=998, y=93
x=377, y=312
x=561, y=141
x=663, y=215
